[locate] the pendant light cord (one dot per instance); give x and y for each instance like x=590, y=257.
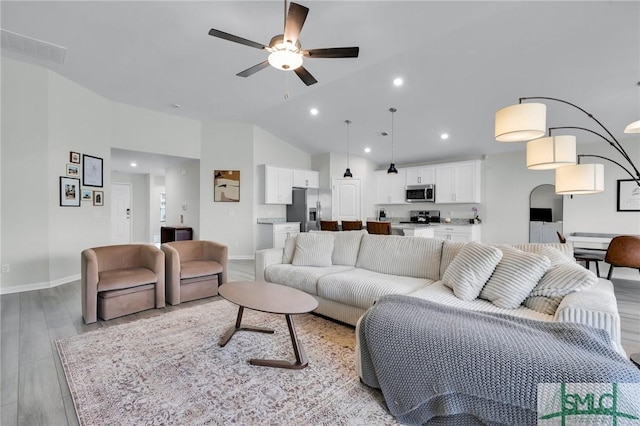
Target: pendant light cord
x=348, y=123
x=393, y=133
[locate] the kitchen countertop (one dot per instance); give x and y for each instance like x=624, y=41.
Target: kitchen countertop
x=271, y=220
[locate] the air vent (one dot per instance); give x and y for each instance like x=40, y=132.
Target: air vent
x=33, y=47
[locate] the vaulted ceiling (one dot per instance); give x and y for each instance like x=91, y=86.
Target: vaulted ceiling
x=460, y=62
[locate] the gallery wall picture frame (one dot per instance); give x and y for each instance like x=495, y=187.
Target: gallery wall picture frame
x=69, y=192
x=73, y=170
x=226, y=186
x=628, y=196
x=74, y=157
x=98, y=198
x=87, y=195
x=92, y=173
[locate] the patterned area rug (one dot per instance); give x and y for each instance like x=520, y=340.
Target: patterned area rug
x=170, y=370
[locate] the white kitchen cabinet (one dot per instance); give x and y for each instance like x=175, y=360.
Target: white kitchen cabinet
x=278, y=183
x=390, y=187
x=306, y=179
x=460, y=233
x=274, y=235
x=458, y=182
x=420, y=175
x=419, y=231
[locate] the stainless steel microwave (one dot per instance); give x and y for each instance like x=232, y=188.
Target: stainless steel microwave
x=420, y=193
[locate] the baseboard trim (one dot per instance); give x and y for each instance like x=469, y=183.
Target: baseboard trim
x=38, y=286
x=242, y=257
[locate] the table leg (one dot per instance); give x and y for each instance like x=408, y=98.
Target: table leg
x=238, y=327
x=301, y=357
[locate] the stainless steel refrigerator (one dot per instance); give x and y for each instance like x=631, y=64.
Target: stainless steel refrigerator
x=309, y=207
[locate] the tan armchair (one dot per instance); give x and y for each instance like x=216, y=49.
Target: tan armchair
x=194, y=269
x=120, y=280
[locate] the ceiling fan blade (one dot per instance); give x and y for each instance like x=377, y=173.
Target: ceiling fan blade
x=295, y=20
x=305, y=76
x=332, y=52
x=235, y=39
x=254, y=69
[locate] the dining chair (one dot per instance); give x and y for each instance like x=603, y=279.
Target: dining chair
x=329, y=225
x=381, y=228
x=351, y=225
x=623, y=252
x=585, y=255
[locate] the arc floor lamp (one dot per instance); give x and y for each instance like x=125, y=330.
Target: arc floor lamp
x=528, y=122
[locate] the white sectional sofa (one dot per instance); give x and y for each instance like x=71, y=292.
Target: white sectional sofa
x=348, y=271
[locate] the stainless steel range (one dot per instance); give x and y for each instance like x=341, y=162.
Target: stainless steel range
x=423, y=216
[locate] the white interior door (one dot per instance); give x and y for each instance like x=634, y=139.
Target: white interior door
x=347, y=199
x=120, y=213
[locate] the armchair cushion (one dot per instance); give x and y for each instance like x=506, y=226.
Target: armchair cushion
x=125, y=278
x=199, y=268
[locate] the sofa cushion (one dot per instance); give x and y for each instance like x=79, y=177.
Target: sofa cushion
x=565, y=249
x=404, y=256
x=361, y=287
x=559, y=281
x=555, y=256
x=199, y=268
x=439, y=293
x=116, y=279
x=289, y=249
x=346, y=246
x=313, y=249
x=471, y=269
x=303, y=278
x=450, y=250
x=514, y=277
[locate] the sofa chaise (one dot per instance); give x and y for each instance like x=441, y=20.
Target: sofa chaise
x=348, y=271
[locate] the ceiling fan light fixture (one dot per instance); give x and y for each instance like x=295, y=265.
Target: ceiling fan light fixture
x=633, y=127
x=286, y=60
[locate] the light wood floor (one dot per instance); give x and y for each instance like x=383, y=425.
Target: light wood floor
x=34, y=390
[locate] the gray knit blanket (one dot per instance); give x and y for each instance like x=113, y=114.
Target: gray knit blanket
x=435, y=363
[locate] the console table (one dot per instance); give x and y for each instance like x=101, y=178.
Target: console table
x=175, y=233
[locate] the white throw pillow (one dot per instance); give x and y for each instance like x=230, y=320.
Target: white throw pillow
x=289, y=249
x=514, y=277
x=313, y=249
x=559, y=281
x=470, y=269
x=555, y=256
x=346, y=246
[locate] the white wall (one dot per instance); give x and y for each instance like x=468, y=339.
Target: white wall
x=228, y=146
x=156, y=187
x=44, y=116
x=25, y=174
x=182, y=186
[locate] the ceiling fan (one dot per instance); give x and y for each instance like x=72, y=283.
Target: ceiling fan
x=286, y=52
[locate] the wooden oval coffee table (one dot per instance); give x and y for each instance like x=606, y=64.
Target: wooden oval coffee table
x=274, y=299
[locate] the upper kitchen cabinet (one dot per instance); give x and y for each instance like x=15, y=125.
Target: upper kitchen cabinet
x=458, y=182
x=390, y=187
x=420, y=175
x=278, y=183
x=306, y=179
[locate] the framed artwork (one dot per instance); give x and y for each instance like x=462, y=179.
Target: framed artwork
x=91, y=171
x=73, y=170
x=69, y=192
x=226, y=185
x=628, y=196
x=87, y=195
x=98, y=198
x=74, y=157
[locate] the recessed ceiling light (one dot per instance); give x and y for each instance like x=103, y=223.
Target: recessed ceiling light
x=176, y=106
x=134, y=164
x=397, y=81
x=314, y=111
x=367, y=149
x=444, y=136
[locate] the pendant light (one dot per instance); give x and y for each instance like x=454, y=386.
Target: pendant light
x=392, y=166
x=347, y=173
